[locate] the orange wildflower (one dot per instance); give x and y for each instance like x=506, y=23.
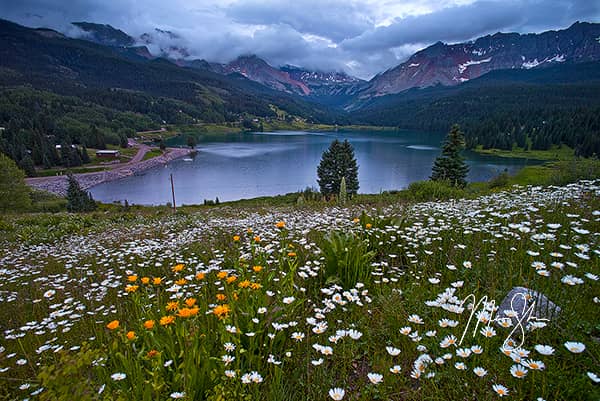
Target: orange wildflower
x=200, y=276
x=292, y=254
x=257, y=268
x=178, y=267
x=355, y=220
x=244, y=284
x=190, y=302
x=235, y=296
x=257, y=239
x=255, y=286
x=280, y=224
x=149, y=324
x=236, y=237
x=221, y=297
x=368, y=226
x=222, y=311
x=221, y=275
x=156, y=280
x=231, y=279
x=132, y=278
x=181, y=281
x=145, y=280
x=130, y=335
x=187, y=312
x=167, y=320
x=152, y=353
x=173, y=305
x=113, y=325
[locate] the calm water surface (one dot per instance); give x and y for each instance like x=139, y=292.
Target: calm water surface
x=249, y=165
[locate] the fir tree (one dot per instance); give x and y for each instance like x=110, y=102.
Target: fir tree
x=451, y=166
x=338, y=162
x=78, y=200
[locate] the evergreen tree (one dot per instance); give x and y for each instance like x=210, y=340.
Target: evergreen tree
x=14, y=193
x=78, y=200
x=85, y=158
x=338, y=162
x=26, y=164
x=451, y=166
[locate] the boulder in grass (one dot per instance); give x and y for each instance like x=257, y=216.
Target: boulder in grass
x=525, y=304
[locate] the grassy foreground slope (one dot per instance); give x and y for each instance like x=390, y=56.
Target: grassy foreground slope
x=286, y=303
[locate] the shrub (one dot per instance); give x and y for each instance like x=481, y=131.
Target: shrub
x=424, y=191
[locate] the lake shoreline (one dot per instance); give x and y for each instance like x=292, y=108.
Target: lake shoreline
x=58, y=184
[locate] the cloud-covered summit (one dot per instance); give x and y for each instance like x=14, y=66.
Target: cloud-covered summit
x=361, y=38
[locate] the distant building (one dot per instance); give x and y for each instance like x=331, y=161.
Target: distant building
x=108, y=153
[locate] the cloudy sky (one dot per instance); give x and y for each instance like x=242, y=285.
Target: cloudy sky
x=359, y=37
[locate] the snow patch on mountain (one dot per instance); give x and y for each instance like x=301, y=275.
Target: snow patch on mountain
x=559, y=58
x=462, y=67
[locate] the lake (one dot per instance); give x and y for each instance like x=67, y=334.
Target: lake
x=248, y=165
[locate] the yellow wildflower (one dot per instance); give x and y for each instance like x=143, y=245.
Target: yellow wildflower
x=178, y=267
x=131, y=288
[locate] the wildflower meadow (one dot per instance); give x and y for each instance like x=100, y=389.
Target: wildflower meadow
x=306, y=303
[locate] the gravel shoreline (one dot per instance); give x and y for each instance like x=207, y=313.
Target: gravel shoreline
x=58, y=184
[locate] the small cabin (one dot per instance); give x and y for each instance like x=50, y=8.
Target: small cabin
x=108, y=153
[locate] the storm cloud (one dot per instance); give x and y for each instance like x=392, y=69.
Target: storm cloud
x=358, y=37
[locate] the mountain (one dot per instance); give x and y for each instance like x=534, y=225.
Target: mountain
x=454, y=64
x=256, y=69
x=133, y=82
x=326, y=87
x=104, y=34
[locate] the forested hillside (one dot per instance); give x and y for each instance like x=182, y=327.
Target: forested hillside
x=57, y=90
x=531, y=109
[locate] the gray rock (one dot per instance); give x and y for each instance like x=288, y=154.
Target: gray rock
x=528, y=305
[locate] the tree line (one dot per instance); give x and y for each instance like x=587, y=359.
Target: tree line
x=528, y=116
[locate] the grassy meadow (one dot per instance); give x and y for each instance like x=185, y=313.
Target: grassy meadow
x=304, y=303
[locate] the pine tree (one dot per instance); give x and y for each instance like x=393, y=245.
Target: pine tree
x=78, y=200
x=336, y=162
x=451, y=166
